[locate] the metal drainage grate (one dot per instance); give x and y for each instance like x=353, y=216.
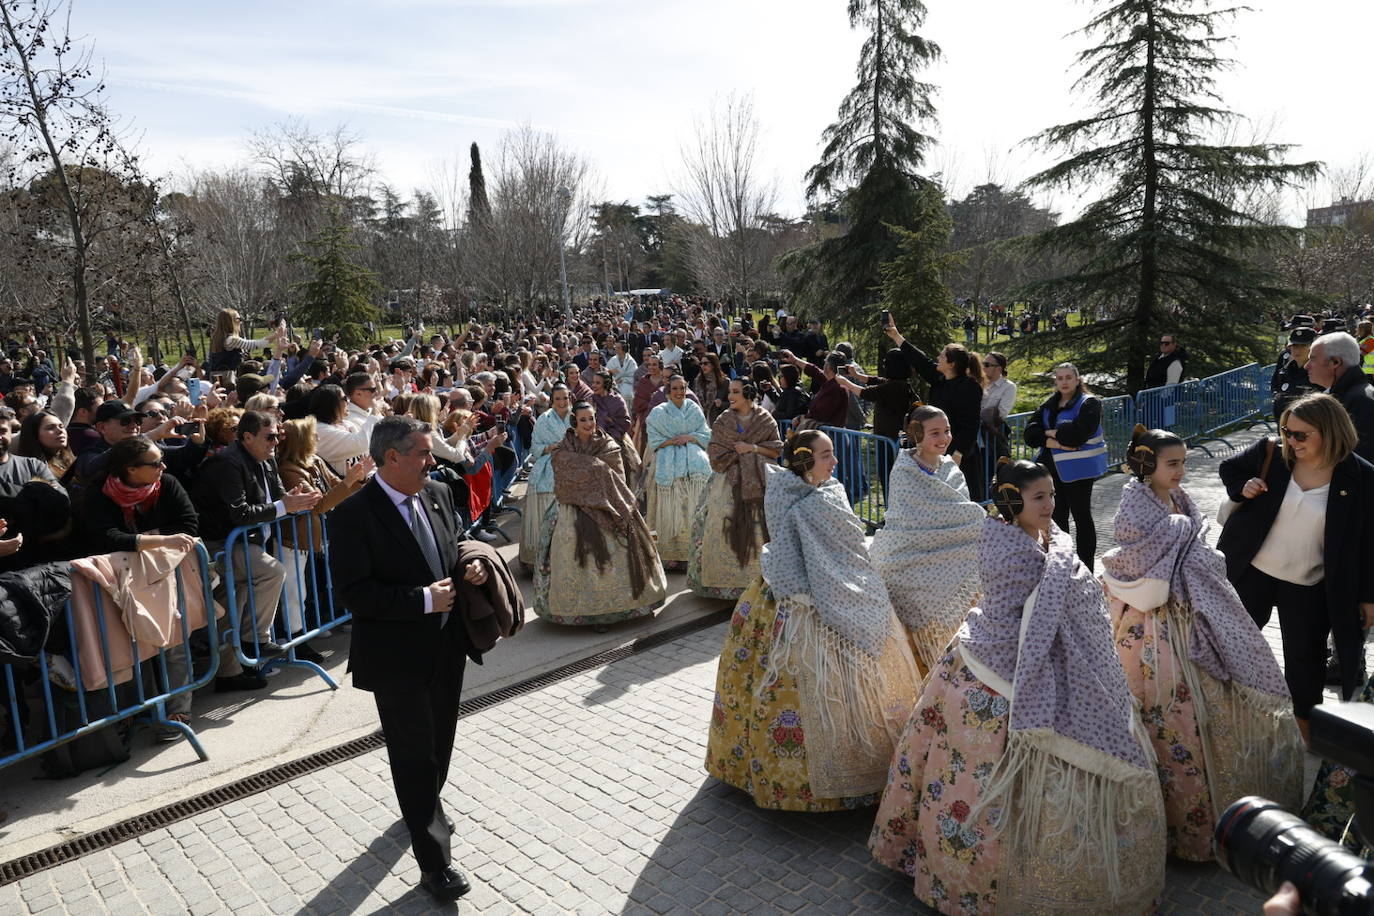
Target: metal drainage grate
x=136, y=826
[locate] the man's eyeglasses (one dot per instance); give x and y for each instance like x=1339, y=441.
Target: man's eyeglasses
x=372, y=389
x=155, y=413
x=273, y=437
x=1294, y=434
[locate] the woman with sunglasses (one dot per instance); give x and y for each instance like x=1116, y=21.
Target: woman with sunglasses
x=132, y=505
x=1301, y=540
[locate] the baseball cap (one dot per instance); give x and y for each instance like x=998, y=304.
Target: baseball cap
x=115, y=410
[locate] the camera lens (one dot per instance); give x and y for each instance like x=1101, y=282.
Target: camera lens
x=1263, y=846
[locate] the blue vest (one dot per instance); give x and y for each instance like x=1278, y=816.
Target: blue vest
x=1088, y=461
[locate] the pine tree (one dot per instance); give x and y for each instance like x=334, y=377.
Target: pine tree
x=1170, y=245
x=479, y=208
x=914, y=287
x=871, y=162
x=339, y=294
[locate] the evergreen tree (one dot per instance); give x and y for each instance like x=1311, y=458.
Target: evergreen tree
x=1170, y=246
x=339, y=293
x=479, y=208
x=914, y=287
x=870, y=166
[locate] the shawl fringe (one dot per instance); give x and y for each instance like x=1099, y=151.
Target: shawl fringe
x=855, y=703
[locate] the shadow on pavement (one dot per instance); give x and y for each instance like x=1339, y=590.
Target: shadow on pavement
x=618, y=679
x=748, y=859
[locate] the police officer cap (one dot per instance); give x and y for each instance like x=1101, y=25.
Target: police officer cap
x=1332, y=324
x=1302, y=336
x=1300, y=321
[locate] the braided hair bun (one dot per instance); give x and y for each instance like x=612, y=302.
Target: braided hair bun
x=1013, y=477
x=799, y=453
x=1142, y=457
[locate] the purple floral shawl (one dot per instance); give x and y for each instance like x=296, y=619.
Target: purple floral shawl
x=1065, y=674
x=1154, y=543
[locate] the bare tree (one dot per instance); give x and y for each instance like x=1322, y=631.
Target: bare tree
x=726, y=201
x=237, y=249
x=54, y=114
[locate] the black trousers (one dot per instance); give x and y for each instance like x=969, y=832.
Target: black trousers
x=419, y=725
x=1303, y=623
x=1075, y=500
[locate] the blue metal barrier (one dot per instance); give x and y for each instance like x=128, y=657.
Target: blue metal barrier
x=864, y=462
x=306, y=603
x=111, y=697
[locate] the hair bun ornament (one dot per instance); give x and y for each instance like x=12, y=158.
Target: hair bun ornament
x=1140, y=461
x=1139, y=430
x=799, y=449
x=1003, y=460
x=1009, y=500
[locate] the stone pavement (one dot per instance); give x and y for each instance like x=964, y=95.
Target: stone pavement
x=587, y=796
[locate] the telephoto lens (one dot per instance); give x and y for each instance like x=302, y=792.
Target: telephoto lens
x=1264, y=846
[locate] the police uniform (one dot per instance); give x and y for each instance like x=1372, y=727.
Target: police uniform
x=1290, y=380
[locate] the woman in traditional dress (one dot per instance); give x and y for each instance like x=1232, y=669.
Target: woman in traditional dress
x=1024, y=782
x=613, y=417
x=728, y=530
x=1211, y=694
x=677, y=435
x=927, y=549
x=596, y=563
x=549, y=430
x=816, y=675
x=646, y=386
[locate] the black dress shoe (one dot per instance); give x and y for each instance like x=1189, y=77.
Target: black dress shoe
x=446, y=884
x=308, y=653
x=268, y=649
x=448, y=822
x=247, y=679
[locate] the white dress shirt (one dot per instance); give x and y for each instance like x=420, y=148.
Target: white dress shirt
x=402, y=503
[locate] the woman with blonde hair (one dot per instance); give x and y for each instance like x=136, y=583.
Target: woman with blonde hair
x=302, y=537
x=1301, y=540
x=220, y=426
x=227, y=348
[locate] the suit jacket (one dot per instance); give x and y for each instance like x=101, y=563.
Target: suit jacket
x=229, y=492
x=1348, y=560
x=379, y=575
x=1356, y=394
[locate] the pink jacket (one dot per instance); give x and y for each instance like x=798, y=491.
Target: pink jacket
x=138, y=591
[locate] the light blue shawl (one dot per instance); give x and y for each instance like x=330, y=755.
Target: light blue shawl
x=549, y=429
x=674, y=462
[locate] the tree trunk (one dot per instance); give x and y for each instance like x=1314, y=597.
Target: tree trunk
x=40, y=118
x=1138, y=350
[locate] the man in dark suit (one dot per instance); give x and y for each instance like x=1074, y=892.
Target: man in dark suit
x=392, y=547
x=240, y=486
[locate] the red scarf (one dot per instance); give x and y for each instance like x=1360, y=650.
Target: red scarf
x=130, y=498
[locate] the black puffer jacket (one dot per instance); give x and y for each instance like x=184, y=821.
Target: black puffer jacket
x=29, y=601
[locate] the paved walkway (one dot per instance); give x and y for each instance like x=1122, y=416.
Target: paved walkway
x=587, y=796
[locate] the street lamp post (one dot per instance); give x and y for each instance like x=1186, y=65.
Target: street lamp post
x=565, y=196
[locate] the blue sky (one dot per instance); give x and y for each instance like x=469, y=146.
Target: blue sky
x=621, y=81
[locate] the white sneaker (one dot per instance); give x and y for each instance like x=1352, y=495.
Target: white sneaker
x=483, y=534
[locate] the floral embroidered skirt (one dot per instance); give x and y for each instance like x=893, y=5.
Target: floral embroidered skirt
x=669, y=512
x=1200, y=771
x=568, y=593
x=536, y=510
x=713, y=570
x=1330, y=807
x=759, y=744
x=927, y=829
x=954, y=739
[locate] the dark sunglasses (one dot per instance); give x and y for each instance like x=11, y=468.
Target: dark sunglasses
x=1295, y=435
x=129, y=421
x=150, y=464
x=366, y=389
x=991, y=364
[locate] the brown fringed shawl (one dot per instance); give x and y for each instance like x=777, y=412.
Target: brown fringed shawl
x=744, y=473
x=589, y=476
